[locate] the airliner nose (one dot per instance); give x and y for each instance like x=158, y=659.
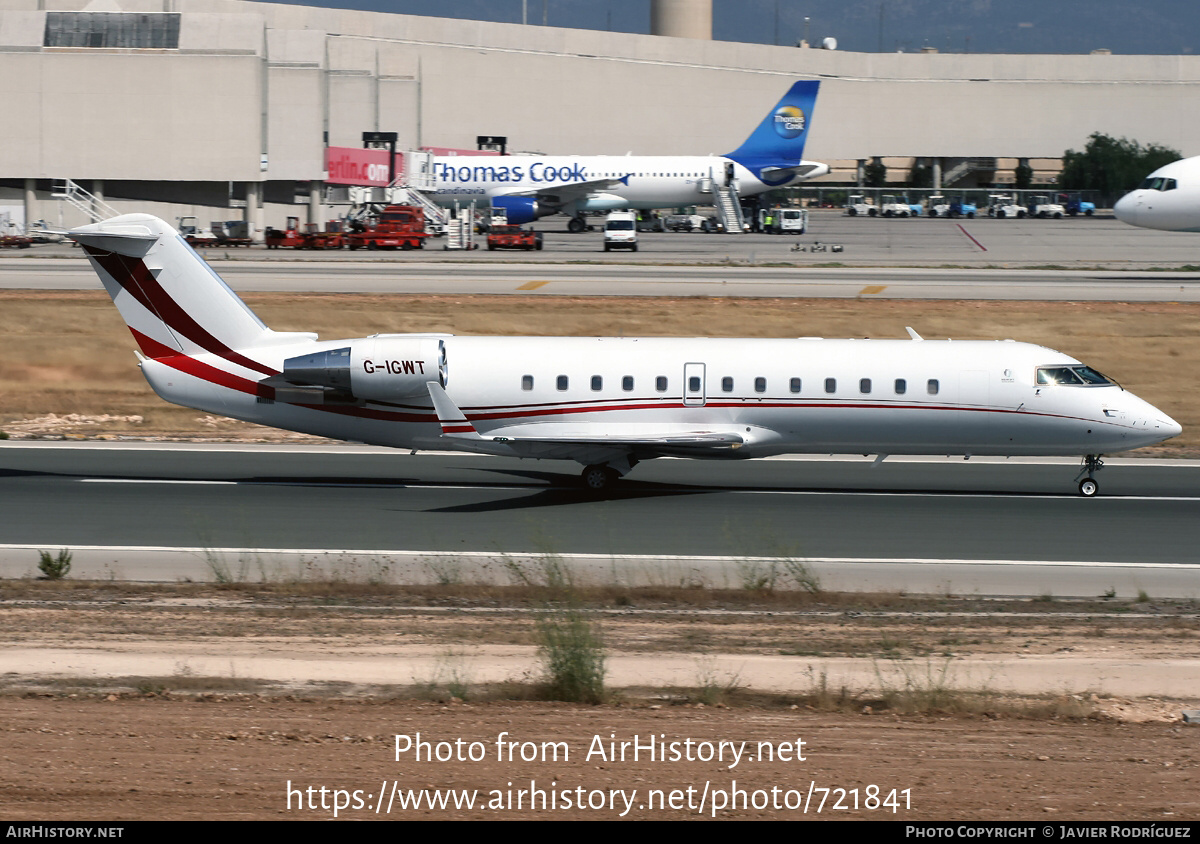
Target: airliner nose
x=1126, y=207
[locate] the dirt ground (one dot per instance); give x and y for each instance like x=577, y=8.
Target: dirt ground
x=82, y=744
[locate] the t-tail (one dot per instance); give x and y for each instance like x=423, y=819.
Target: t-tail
x=774, y=152
x=182, y=315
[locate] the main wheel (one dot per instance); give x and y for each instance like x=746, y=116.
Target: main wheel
x=598, y=477
x=575, y=225
x=1088, y=487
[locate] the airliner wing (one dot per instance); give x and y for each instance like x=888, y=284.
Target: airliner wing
x=459, y=433
x=566, y=192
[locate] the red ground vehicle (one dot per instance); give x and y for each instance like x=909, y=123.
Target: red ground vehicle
x=513, y=237
x=396, y=227
x=310, y=238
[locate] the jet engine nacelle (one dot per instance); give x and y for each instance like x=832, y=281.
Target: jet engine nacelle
x=601, y=202
x=379, y=368
x=520, y=209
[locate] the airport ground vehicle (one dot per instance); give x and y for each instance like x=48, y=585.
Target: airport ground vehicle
x=960, y=206
x=607, y=403
x=857, y=205
x=1043, y=207
x=219, y=233
x=620, y=231
x=782, y=220
x=891, y=205
x=1001, y=205
x=15, y=241
x=513, y=237
x=1076, y=204
x=937, y=205
x=395, y=227
x=310, y=237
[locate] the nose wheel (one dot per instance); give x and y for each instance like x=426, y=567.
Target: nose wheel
x=1088, y=486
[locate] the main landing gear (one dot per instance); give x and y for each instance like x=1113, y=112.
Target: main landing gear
x=599, y=478
x=602, y=477
x=1088, y=486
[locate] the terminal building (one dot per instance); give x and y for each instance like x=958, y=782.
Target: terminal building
x=232, y=108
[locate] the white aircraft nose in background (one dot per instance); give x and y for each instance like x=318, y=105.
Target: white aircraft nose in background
x=1168, y=199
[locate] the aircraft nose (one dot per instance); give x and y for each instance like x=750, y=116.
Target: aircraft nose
x=1126, y=207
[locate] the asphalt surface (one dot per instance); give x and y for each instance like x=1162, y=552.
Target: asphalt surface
x=1070, y=259
x=906, y=524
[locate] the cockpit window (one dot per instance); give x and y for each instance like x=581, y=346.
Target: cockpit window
x=1073, y=376
x=1158, y=183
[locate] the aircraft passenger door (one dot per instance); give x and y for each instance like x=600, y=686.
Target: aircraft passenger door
x=693, y=384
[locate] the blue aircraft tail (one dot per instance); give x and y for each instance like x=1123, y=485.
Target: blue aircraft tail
x=779, y=139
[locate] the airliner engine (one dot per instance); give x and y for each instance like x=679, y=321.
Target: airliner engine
x=520, y=209
x=382, y=367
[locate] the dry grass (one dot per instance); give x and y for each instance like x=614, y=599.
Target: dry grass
x=69, y=352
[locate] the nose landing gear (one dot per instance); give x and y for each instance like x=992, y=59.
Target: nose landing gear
x=1088, y=486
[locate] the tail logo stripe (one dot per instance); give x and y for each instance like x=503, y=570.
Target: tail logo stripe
x=136, y=278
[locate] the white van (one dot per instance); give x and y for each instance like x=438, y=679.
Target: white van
x=620, y=230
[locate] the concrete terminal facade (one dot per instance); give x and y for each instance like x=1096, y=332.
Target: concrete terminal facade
x=198, y=106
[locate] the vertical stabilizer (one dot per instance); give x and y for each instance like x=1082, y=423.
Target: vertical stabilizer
x=778, y=141
x=171, y=299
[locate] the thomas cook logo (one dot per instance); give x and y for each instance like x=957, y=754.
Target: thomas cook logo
x=789, y=121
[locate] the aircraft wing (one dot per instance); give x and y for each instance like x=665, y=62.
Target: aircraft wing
x=458, y=433
x=566, y=192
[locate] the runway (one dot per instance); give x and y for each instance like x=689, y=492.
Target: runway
x=1081, y=259
x=168, y=512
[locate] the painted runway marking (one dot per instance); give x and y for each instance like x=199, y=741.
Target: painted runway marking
x=968, y=234
x=533, y=285
x=155, y=481
x=871, y=289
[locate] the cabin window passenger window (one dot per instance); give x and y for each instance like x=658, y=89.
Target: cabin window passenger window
x=627, y=383
x=864, y=385
x=760, y=385
x=795, y=385
x=562, y=382
x=932, y=387
x=526, y=382
x=597, y=383
x=831, y=385
x=901, y=386
x=727, y=384
x=660, y=383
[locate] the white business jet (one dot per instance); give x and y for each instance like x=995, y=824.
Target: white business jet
x=529, y=187
x=1167, y=199
x=604, y=402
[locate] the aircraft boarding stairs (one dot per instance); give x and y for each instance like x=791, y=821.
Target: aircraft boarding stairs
x=93, y=206
x=435, y=214
x=729, y=209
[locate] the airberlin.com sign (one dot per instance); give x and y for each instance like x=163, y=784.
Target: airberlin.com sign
x=352, y=166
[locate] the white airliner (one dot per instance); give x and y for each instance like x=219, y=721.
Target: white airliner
x=1167, y=199
x=605, y=402
x=528, y=187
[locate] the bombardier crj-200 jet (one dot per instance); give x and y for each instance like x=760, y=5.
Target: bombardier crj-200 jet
x=529, y=187
x=605, y=402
